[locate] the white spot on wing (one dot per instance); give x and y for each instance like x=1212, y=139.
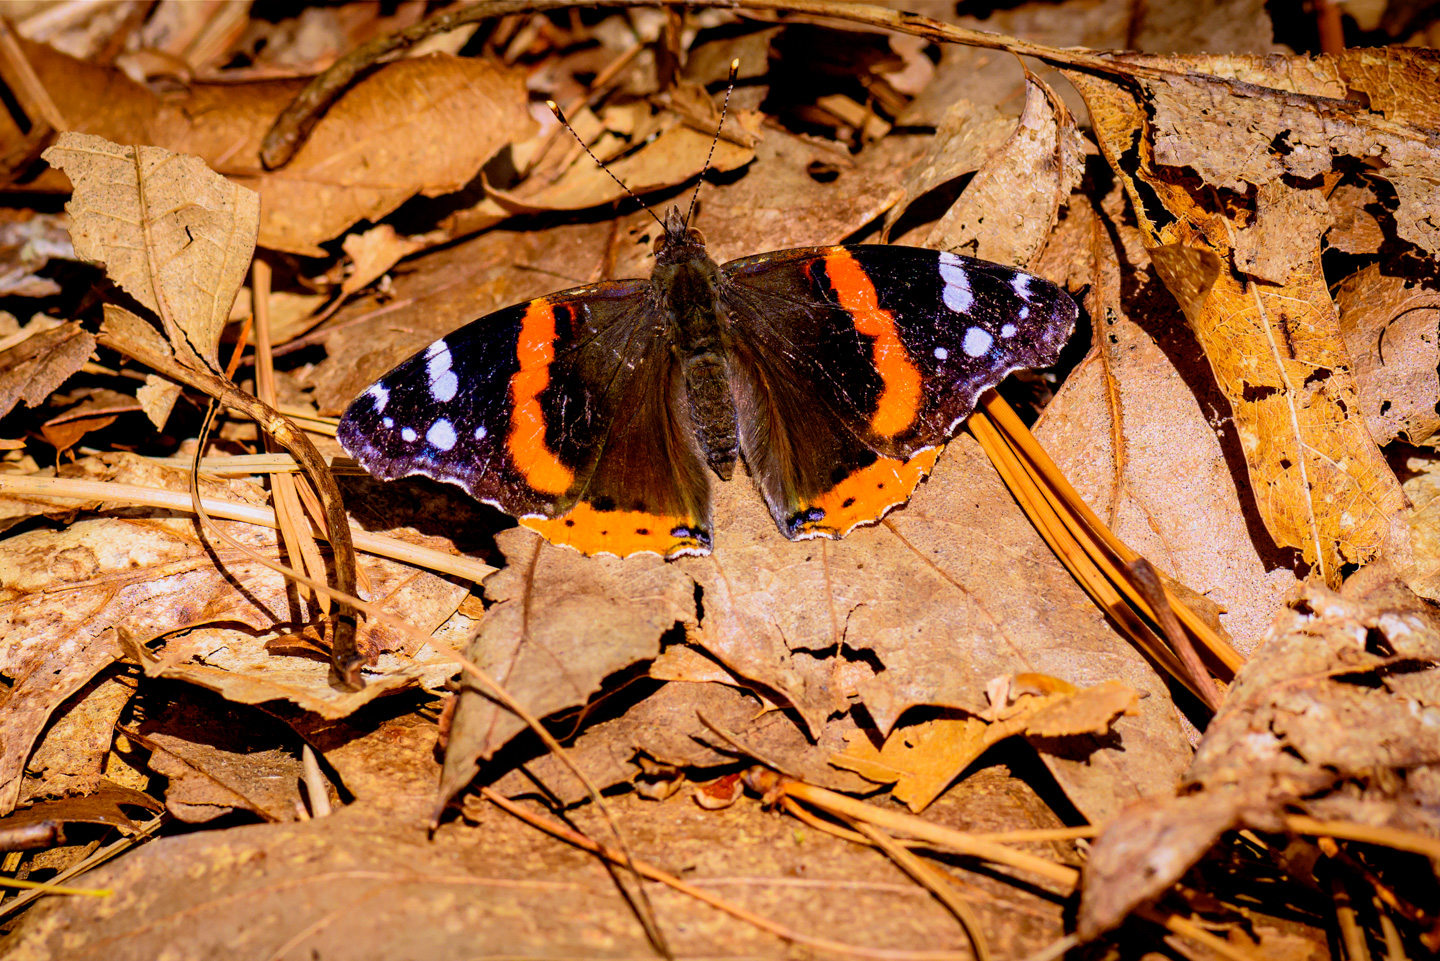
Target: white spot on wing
x=436, y=348
x=1008, y=330
x=1024, y=313
x=957, y=293
x=408, y=435
x=441, y=435
x=1021, y=284
x=388, y=422
x=977, y=342
x=380, y=396
x=480, y=432
x=941, y=353
x=443, y=388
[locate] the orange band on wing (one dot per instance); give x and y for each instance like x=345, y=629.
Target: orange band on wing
x=899, y=402
x=535, y=350
x=867, y=494
x=621, y=533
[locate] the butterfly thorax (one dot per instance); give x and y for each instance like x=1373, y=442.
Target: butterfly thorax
x=686, y=282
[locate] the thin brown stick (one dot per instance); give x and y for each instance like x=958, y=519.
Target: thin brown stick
x=48, y=490
x=930, y=879
x=1147, y=580
x=773, y=786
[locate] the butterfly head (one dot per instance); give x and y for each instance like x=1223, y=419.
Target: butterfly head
x=679, y=242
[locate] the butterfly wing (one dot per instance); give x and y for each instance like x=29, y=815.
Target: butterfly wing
x=854, y=364
x=556, y=411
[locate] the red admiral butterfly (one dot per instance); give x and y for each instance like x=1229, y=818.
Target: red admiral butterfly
x=596, y=414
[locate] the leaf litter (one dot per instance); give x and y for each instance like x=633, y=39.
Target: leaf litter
x=899, y=653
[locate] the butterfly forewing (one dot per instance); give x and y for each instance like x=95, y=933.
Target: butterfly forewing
x=557, y=411
x=853, y=364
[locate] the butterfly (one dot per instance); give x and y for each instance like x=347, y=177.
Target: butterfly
x=597, y=415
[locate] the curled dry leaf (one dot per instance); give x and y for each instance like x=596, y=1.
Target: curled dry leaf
x=1006, y=212
x=921, y=760
x=171, y=233
x=32, y=369
x=1333, y=716
x=1274, y=347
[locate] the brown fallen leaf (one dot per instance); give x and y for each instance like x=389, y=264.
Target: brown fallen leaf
x=556, y=630
x=1141, y=411
x=1391, y=327
x=920, y=761
x=70, y=759
x=1332, y=716
x=966, y=135
x=364, y=158
x=34, y=367
x=170, y=232
x=220, y=758
x=102, y=805
x=75, y=599
x=1006, y=212
x=371, y=254
x=367, y=886
x=675, y=727
x=1274, y=346
x=100, y=408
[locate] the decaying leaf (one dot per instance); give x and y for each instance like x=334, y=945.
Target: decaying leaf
x=1269, y=328
x=171, y=233
x=1335, y=710
x=1391, y=327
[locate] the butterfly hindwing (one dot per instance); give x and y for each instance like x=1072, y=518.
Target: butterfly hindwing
x=854, y=364
x=556, y=411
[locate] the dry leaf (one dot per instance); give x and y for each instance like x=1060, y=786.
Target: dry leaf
x=346, y=171
x=1275, y=348
x=557, y=629
x=374, y=252
x=371, y=151
x=1143, y=410
x=171, y=233
x=157, y=398
x=1007, y=211
x=1391, y=327
x=1333, y=716
x=72, y=596
x=921, y=760
x=218, y=759
x=34, y=368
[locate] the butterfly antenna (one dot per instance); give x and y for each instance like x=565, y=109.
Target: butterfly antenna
x=555, y=109
x=724, y=109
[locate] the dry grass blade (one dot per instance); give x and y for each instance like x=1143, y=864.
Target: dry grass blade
x=1084, y=543
x=298, y=541
x=774, y=786
x=47, y=490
